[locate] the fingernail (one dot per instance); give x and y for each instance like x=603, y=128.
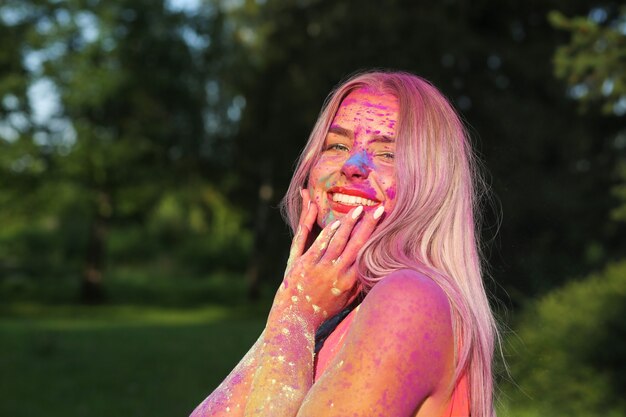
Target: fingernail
x=357, y=212
x=335, y=225
x=379, y=212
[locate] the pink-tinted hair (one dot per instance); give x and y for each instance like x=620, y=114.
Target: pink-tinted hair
x=433, y=227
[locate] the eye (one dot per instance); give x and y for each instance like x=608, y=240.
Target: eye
x=337, y=147
x=387, y=155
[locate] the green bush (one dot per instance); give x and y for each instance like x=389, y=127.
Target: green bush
x=568, y=354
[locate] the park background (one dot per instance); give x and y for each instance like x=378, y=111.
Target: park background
x=145, y=146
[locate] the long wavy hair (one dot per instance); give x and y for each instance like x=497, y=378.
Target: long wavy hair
x=433, y=227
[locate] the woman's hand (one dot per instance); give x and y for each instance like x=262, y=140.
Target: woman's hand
x=318, y=283
x=323, y=280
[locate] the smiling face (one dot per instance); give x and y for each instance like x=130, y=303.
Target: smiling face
x=356, y=166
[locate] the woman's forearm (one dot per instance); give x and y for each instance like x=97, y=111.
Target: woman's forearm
x=274, y=376
x=319, y=281
x=285, y=369
x=230, y=397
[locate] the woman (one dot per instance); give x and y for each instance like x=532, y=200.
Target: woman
x=382, y=203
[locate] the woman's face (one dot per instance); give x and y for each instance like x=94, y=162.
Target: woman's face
x=356, y=166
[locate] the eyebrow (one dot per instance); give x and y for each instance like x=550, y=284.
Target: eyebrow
x=342, y=131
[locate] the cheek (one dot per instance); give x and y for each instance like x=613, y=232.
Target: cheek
x=390, y=190
x=319, y=181
x=325, y=217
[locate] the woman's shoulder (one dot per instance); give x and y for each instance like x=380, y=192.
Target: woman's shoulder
x=401, y=339
x=407, y=288
x=410, y=306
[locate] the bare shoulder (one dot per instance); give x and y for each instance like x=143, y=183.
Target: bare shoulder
x=397, y=354
x=406, y=292
x=409, y=314
x=405, y=324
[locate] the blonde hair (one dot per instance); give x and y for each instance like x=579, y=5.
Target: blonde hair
x=433, y=227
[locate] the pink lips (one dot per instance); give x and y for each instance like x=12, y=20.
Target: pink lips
x=353, y=191
x=344, y=208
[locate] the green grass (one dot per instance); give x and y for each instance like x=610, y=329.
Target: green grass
x=151, y=285
x=117, y=360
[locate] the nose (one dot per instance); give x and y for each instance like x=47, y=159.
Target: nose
x=358, y=165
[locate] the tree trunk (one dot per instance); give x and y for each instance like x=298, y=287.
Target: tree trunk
x=255, y=266
x=92, y=291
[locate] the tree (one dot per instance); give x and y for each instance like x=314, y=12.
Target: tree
x=131, y=80
x=570, y=343
x=593, y=65
x=549, y=170
x=567, y=356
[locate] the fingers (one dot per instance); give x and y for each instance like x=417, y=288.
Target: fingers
x=319, y=246
x=361, y=234
x=347, y=247
x=339, y=240
x=306, y=201
x=345, y=284
x=307, y=219
x=350, y=284
x=311, y=214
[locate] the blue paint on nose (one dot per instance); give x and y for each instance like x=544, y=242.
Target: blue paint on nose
x=360, y=163
x=360, y=159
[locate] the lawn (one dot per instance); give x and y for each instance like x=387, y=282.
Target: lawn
x=116, y=360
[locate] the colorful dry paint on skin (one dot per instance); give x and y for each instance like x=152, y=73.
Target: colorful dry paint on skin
x=356, y=158
x=288, y=345
x=232, y=393
x=361, y=160
x=277, y=373
x=381, y=331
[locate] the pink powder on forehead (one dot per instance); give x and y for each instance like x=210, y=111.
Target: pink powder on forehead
x=348, y=100
x=370, y=95
x=367, y=103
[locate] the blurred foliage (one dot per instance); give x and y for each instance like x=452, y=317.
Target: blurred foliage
x=593, y=63
x=129, y=136
x=567, y=350
x=552, y=168
x=619, y=213
x=145, y=146
x=568, y=355
x=173, y=131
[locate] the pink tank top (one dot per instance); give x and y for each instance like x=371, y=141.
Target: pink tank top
x=458, y=405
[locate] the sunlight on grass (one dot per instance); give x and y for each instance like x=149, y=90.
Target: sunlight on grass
x=70, y=360
x=89, y=317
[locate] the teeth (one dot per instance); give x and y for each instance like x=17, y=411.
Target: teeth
x=353, y=200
